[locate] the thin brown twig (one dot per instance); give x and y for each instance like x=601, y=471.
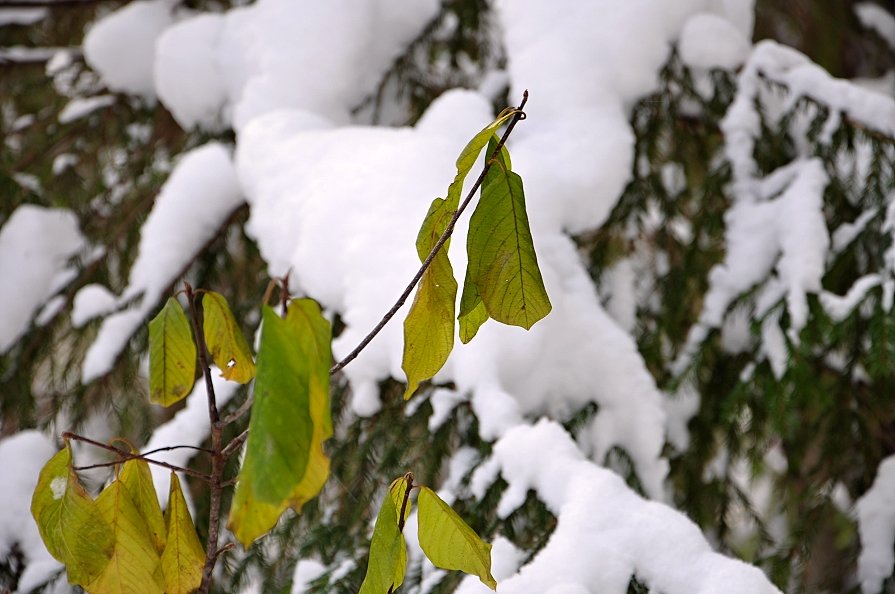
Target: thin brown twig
x=124, y=456
x=217, y=430
x=235, y=444
x=519, y=115
x=237, y=414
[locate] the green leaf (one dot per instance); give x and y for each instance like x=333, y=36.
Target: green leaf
x=137, y=478
x=388, y=551
x=226, y=342
x=135, y=565
x=284, y=465
x=315, y=333
x=398, y=492
x=172, y=355
x=502, y=262
x=449, y=542
x=429, y=326
x=69, y=521
x=183, y=558
x=472, y=310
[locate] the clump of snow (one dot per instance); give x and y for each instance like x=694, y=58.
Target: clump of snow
x=21, y=16
x=878, y=19
x=79, y=108
x=270, y=55
x=876, y=524
x=91, y=302
x=306, y=571
x=839, y=308
x=596, y=512
x=200, y=194
x=121, y=46
x=711, y=41
x=35, y=243
x=21, y=457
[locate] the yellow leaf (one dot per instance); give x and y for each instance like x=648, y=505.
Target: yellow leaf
x=388, y=551
x=172, y=355
x=135, y=565
x=449, y=542
x=69, y=521
x=184, y=557
x=226, y=342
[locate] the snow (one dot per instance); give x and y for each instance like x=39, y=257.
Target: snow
x=35, y=243
x=121, y=46
x=839, y=308
x=306, y=571
x=82, y=107
x=200, y=194
x=876, y=524
x=21, y=457
x=63, y=161
x=623, y=534
x=878, y=19
x=21, y=16
x=711, y=41
x=215, y=69
x=91, y=302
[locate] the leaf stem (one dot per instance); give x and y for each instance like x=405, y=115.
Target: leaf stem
x=519, y=115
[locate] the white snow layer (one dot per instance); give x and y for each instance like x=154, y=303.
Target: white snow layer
x=323, y=57
x=200, y=194
x=35, y=243
x=121, y=46
x=876, y=524
x=878, y=19
x=623, y=534
x=21, y=457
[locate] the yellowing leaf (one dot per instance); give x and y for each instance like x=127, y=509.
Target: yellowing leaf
x=388, y=551
x=284, y=464
x=502, y=260
x=135, y=564
x=69, y=521
x=137, y=478
x=429, y=326
x=398, y=492
x=183, y=558
x=226, y=342
x=449, y=542
x=172, y=355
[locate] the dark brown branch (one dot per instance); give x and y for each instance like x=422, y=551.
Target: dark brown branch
x=124, y=456
x=217, y=458
x=519, y=115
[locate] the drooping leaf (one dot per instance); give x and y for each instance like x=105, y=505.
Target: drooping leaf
x=502, y=260
x=172, y=355
x=135, y=565
x=183, y=557
x=315, y=333
x=388, y=551
x=284, y=465
x=137, y=478
x=472, y=311
x=69, y=521
x=449, y=542
x=429, y=326
x=226, y=342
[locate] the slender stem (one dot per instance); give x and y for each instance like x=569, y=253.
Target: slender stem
x=239, y=412
x=235, y=444
x=217, y=458
x=124, y=455
x=520, y=115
